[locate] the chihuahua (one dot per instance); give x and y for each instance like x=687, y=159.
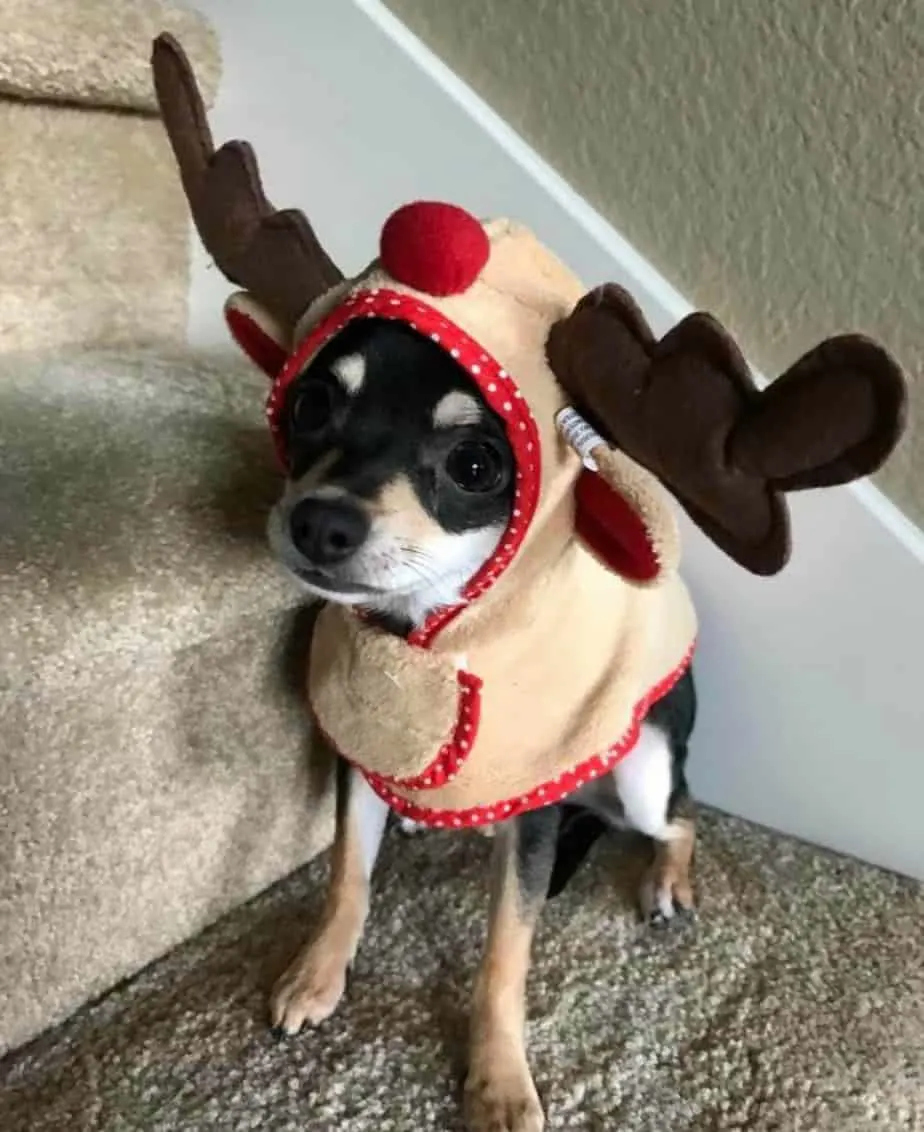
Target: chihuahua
x=401, y=483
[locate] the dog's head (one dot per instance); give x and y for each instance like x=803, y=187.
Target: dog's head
x=400, y=477
x=422, y=465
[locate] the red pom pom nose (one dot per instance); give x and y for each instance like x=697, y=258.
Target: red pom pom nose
x=435, y=248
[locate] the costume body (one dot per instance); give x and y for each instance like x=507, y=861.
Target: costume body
x=540, y=680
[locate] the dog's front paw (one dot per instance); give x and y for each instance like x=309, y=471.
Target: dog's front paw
x=309, y=991
x=500, y=1095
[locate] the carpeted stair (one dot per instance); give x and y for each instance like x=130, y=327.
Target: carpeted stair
x=95, y=234
x=794, y=1004
x=156, y=769
x=154, y=766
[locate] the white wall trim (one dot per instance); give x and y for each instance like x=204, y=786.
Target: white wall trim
x=811, y=708
x=651, y=288
x=895, y=521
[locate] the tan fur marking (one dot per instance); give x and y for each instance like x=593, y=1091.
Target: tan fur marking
x=312, y=986
x=669, y=880
x=350, y=371
x=499, y=1089
x=314, y=477
x=455, y=409
x=398, y=511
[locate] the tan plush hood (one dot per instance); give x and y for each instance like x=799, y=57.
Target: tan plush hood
x=684, y=407
x=497, y=327
x=540, y=679
x=478, y=714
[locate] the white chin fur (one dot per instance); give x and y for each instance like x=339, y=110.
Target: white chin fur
x=432, y=578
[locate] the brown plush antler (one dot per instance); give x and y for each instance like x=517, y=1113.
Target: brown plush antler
x=687, y=408
x=274, y=255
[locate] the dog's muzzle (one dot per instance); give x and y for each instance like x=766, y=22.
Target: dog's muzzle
x=327, y=532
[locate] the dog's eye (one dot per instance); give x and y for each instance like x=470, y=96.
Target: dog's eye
x=312, y=409
x=475, y=466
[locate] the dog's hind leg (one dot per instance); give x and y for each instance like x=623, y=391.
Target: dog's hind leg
x=311, y=988
x=499, y=1089
x=652, y=786
x=668, y=886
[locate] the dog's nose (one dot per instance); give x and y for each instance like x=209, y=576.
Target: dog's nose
x=327, y=531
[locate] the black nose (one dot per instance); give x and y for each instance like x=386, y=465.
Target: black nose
x=327, y=531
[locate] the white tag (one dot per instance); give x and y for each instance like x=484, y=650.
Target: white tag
x=579, y=434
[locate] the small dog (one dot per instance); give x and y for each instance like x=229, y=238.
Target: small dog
x=400, y=487
x=407, y=495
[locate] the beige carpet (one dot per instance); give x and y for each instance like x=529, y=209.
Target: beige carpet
x=95, y=233
x=153, y=740
x=96, y=244
x=97, y=52
x=795, y=1003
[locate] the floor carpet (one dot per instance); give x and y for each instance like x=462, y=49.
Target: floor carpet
x=794, y=1002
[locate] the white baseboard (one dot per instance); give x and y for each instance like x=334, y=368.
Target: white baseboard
x=812, y=710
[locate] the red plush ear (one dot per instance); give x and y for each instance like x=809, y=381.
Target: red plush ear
x=621, y=512
x=607, y=523
x=261, y=338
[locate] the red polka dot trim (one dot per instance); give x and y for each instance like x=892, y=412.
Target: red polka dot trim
x=494, y=382
x=454, y=752
x=553, y=791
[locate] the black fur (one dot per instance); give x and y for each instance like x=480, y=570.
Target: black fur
x=387, y=428
x=579, y=828
x=343, y=772
x=536, y=834
x=675, y=715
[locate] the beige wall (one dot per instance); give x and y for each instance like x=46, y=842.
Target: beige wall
x=766, y=155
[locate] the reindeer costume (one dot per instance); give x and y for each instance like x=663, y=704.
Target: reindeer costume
x=539, y=679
